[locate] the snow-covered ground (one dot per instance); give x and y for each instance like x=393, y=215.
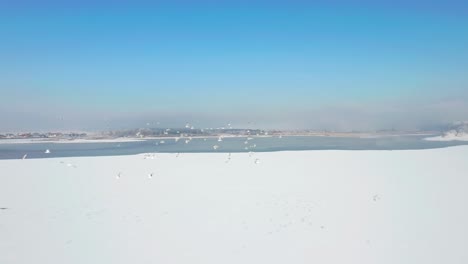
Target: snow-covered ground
x=279, y=207
x=457, y=131
x=450, y=137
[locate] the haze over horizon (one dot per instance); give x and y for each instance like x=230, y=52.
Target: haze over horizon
x=339, y=65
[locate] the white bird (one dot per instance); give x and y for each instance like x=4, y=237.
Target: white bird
x=220, y=139
x=25, y=155
x=162, y=142
x=150, y=175
x=118, y=175
x=215, y=147
x=149, y=156
x=376, y=198
x=47, y=151
x=257, y=161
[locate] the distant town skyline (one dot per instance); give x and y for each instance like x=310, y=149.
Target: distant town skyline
x=339, y=65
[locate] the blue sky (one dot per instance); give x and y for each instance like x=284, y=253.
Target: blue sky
x=336, y=65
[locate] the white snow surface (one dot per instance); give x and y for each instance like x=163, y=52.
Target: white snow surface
x=360, y=207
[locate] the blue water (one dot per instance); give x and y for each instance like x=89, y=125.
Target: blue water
x=263, y=144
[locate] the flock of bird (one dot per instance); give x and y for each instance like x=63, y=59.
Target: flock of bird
x=188, y=139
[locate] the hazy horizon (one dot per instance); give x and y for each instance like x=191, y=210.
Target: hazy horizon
x=339, y=65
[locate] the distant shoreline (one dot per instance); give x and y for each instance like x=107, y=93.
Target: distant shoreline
x=65, y=141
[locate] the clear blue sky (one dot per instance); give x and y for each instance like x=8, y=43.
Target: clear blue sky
x=290, y=64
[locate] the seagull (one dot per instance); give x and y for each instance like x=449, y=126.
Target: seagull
x=24, y=157
x=162, y=142
x=376, y=198
x=149, y=156
x=118, y=175
x=215, y=147
x=257, y=161
x=150, y=175
x=47, y=151
x=228, y=158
